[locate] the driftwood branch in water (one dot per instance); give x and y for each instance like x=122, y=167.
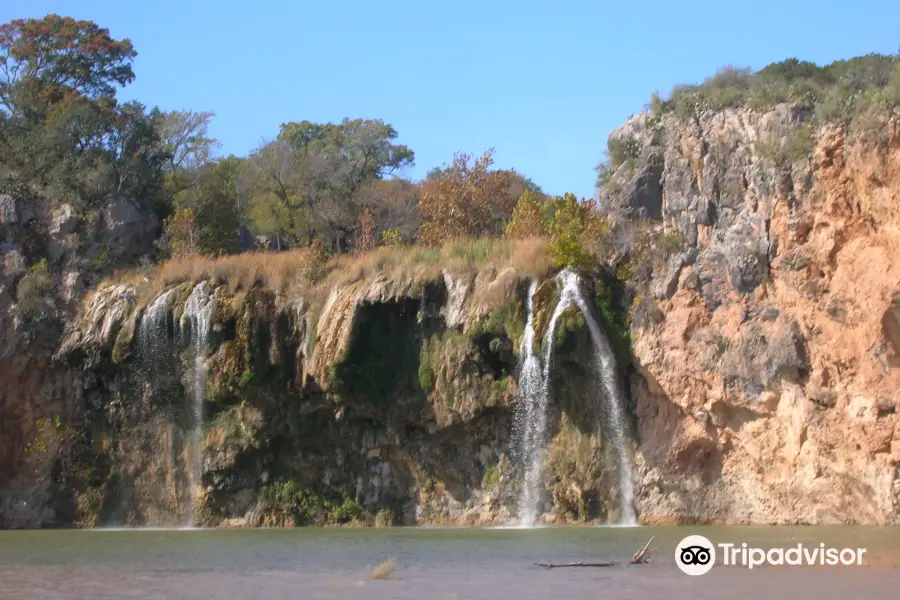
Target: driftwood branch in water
x=640, y=557
x=550, y=565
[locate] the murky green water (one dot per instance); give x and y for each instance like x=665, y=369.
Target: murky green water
x=431, y=563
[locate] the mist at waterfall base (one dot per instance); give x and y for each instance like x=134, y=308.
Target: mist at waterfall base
x=530, y=432
x=160, y=340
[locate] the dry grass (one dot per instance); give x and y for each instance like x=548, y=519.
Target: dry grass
x=421, y=263
x=288, y=273
x=276, y=270
x=384, y=570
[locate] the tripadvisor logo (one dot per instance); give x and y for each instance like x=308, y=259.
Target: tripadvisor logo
x=696, y=555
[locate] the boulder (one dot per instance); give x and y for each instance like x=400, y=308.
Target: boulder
x=127, y=228
x=8, y=213
x=13, y=264
x=63, y=221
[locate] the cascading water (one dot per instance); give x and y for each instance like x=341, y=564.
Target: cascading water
x=609, y=380
x=534, y=383
x=153, y=335
x=197, y=320
x=531, y=418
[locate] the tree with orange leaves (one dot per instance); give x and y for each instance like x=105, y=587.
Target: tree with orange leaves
x=467, y=199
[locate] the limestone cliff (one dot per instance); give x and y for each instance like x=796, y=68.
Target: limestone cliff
x=766, y=352
x=380, y=394
x=751, y=291
x=41, y=400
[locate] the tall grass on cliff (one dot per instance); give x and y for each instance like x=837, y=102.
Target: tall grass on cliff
x=308, y=271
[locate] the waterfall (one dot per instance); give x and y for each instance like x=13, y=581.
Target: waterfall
x=153, y=335
x=534, y=385
x=530, y=418
x=197, y=320
x=615, y=399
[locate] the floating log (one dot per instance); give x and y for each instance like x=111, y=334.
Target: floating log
x=641, y=557
x=550, y=565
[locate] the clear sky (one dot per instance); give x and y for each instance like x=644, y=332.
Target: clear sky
x=542, y=82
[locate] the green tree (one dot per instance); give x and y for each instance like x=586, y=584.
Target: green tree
x=338, y=163
x=61, y=126
x=273, y=180
x=206, y=219
x=47, y=58
x=314, y=180
x=576, y=233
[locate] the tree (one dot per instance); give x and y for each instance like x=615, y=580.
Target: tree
x=59, y=54
x=394, y=204
x=338, y=163
x=576, y=232
x=366, y=240
x=272, y=178
x=206, y=219
x=62, y=127
x=315, y=180
x=136, y=155
x=527, y=218
x=185, y=138
x=182, y=238
x=467, y=199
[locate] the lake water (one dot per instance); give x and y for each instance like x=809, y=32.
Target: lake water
x=433, y=563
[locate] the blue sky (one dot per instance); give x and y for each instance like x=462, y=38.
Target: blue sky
x=542, y=82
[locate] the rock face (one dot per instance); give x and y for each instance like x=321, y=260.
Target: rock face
x=766, y=386
x=762, y=354
x=380, y=400
x=48, y=255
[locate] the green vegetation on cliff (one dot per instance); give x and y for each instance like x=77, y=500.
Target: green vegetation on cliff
x=840, y=90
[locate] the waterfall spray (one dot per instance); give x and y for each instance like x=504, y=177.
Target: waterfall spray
x=615, y=399
x=153, y=335
x=531, y=418
x=534, y=383
x=197, y=319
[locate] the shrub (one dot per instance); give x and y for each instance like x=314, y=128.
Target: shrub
x=491, y=477
x=367, y=240
x=50, y=434
x=313, y=268
x=426, y=375
x=291, y=502
x=467, y=199
x=837, y=91
x=622, y=149
x=527, y=218
x=391, y=237
x=645, y=313
x=782, y=152
x=33, y=293
x=605, y=173
x=576, y=233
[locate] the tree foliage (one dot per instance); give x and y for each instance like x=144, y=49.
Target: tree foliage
x=837, y=91
x=527, y=218
x=367, y=239
x=314, y=180
x=577, y=233
x=206, y=218
x=468, y=199
x=45, y=60
x=60, y=124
